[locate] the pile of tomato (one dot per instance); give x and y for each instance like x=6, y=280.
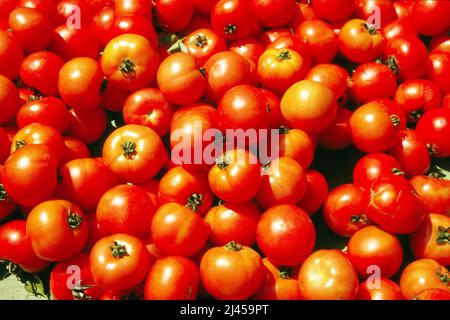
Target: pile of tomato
x=96, y=95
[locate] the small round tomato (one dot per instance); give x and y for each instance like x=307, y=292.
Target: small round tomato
x=274, y=13
x=249, y=48
x=433, y=294
x=9, y=100
x=205, y=6
x=366, y=9
x=298, y=145
x=174, y=15
x=434, y=126
x=387, y=290
x=130, y=62
x=172, y=278
x=134, y=153
x=231, y=272
x=440, y=43
x=437, y=70
x=394, y=205
x=119, y=262
x=273, y=108
x=11, y=55
x=403, y=9
x=434, y=193
x=60, y=215
x=133, y=7
x=337, y=136
x=178, y=231
x=70, y=43
x=134, y=24
x=430, y=18
x=322, y=274
x=180, y=79
x=372, y=166
x=88, y=126
x=432, y=239
x=309, y=105
x=399, y=28
x=113, y=99
x=333, y=10
x=204, y=43
x=344, y=210
x=316, y=192
x=5, y=146
x=101, y=25
x=66, y=9
x=331, y=75
x=236, y=176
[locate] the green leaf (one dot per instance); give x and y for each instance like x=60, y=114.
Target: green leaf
x=33, y=284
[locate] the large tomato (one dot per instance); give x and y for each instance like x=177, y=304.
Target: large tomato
x=434, y=193
x=9, y=100
x=174, y=15
x=11, y=55
x=387, y=290
x=372, y=166
x=298, y=145
x=434, y=126
x=316, y=192
x=70, y=43
x=430, y=18
x=204, y=43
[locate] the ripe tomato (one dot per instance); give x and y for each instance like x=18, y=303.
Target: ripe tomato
x=66, y=8
x=236, y=176
x=412, y=153
x=11, y=55
x=404, y=9
x=82, y=288
x=188, y=187
x=394, y=205
x=133, y=7
x=49, y=111
x=135, y=24
x=130, y=62
x=372, y=166
x=88, y=126
x=148, y=107
x=387, y=290
x=430, y=17
x=180, y=79
x=9, y=100
x=316, y=192
x=231, y=272
x=273, y=108
x=278, y=69
x=101, y=25
x=5, y=146
x=322, y=274
x=249, y=48
x=432, y=239
x=309, y=105
x=274, y=13
x=119, y=262
x=70, y=43
x=333, y=10
x=230, y=222
x=423, y=274
x=434, y=193
x=15, y=246
x=399, y=28
x=437, y=70
x=298, y=145
x=433, y=294
x=331, y=75
x=178, y=231
x=29, y=175
x=60, y=215
x=286, y=235
x=440, y=43
x=434, y=126
x=79, y=84
x=280, y=283
x=174, y=15
x=134, y=153
x=345, y=208
x=367, y=8
x=337, y=136
x=172, y=278
x=204, y=43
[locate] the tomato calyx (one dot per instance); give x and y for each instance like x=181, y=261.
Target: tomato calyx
x=395, y=120
x=200, y=41
x=443, y=235
x=19, y=144
x=128, y=68
x=230, y=29
x=222, y=162
x=443, y=276
x=362, y=218
x=391, y=62
x=233, y=246
x=372, y=29
x=73, y=219
x=416, y=114
x=284, y=55
x=397, y=172
x=79, y=292
x=118, y=250
x=432, y=149
x=194, y=201
x=283, y=130
x=3, y=194
x=202, y=71
x=285, y=272
x=129, y=149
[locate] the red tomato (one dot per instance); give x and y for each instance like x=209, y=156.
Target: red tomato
x=331, y=75
x=174, y=15
x=437, y=70
x=94, y=232
x=11, y=55
x=6, y=7
x=316, y=192
x=431, y=17
x=372, y=166
x=434, y=193
x=298, y=145
x=440, y=43
x=5, y=145
x=133, y=7
x=113, y=98
x=101, y=25
x=433, y=294
x=66, y=9
x=249, y=48
x=134, y=24
x=70, y=43
x=88, y=126
x=204, y=43
x=274, y=13
x=333, y=10
x=337, y=136
x=387, y=290
x=434, y=126
x=399, y=28
x=384, y=9
x=9, y=100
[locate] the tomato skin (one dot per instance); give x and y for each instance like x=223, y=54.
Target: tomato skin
x=178, y=231
x=172, y=278
x=9, y=100
x=101, y=25
x=233, y=19
x=237, y=278
x=434, y=126
x=87, y=126
x=399, y=28
x=388, y=290
x=333, y=76
x=16, y=247
x=5, y=145
x=423, y=274
x=174, y=15
x=70, y=43
x=431, y=239
x=372, y=166
x=119, y=262
x=309, y=105
x=135, y=24
x=149, y=108
x=440, y=43
x=133, y=7
x=437, y=70
x=11, y=55
x=430, y=17
x=333, y=10
x=204, y=43
x=366, y=8
x=180, y=79
x=394, y=205
x=6, y=7
x=249, y=48
x=322, y=273
x=273, y=13
x=434, y=193
x=337, y=136
x=60, y=215
x=433, y=294
x=66, y=8
x=316, y=192
x=32, y=183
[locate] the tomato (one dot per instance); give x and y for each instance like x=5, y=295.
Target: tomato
x=331, y=75
x=279, y=283
x=188, y=187
x=231, y=272
x=29, y=175
x=303, y=12
x=316, y=192
x=148, y=107
x=403, y=9
x=15, y=246
x=384, y=8
x=236, y=176
x=249, y=48
x=298, y=145
x=82, y=288
x=101, y=25
x=134, y=24
x=423, y=274
x=432, y=239
x=133, y=7
x=94, y=232
x=309, y=106
x=387, y=290
x=322, y=274
x=9, y=100
x=337, y=136
x=49, y=111
x=412, y=153
x=119, y=262
x=204, y=43
x=345, y=208
x=11, y=55
x=84, y=181
x=372, y=166
x=174, y=15
x=226, y=70
x=446, y=101
x=440, y=43
x=233, y=19
x=437, y=70
x=134, y=153
x=178, y=231
x=66, y=9
x=130, y=62
x=394, y=205
x=273, y=13
x=407, y=55
x=180, y=79
x=333, y=10
x=399, y=28
x=320, y=38
x=32, y=29
x=5, y=145
x=434, y=193
x=430, y=17
x=7, y=206
x=172, y=278
x=433, y=294
x=230, y=222
x=6, y=7
x=434, y=126
x=88, y=126
x=70, y=43
x=113, y=98
x=60, y=215
x=397, y=113
x=371, y=81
